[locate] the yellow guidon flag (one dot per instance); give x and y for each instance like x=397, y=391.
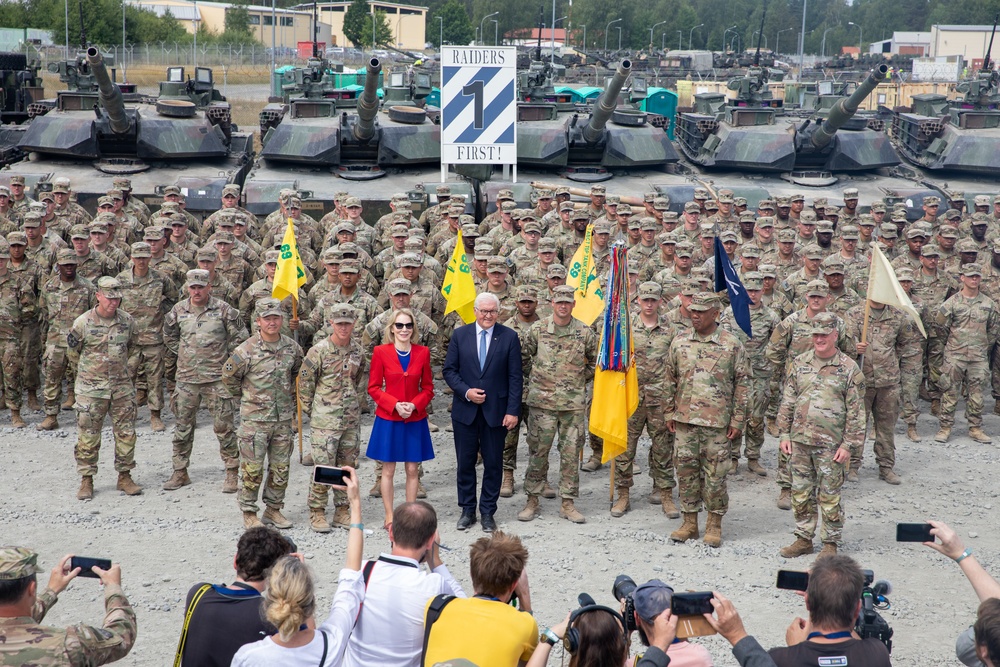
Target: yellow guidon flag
x=290, y=274
x=582, y=275
x=458, y=288
x=884, y=287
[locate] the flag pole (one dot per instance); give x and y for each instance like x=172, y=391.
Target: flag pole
x=298, y=399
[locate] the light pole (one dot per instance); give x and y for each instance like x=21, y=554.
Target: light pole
x=802, y=39
x=691, y=32
x=680, y=40
x=753, y=38
x=496, y=31
x=777, y=39
x=552, y=56
x=584, y=26
x=619, y=28
x=725, y=34
x=481, y=28
x=606, y=29
x=655, y=25
x=861, y=35
x=822, y=50
x=440, y=20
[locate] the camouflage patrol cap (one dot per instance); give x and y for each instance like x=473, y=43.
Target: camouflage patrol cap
x=981, y=200
x=529, y=225
x=109, y=287
x=750, y=251
x=4, y=191
x=17, y=180
x=749, y=216
x=413, y=243
x=888, y=231
x=613, y=200
x=547, y=244
x=952, y=214
x=443, y=189
x=755, y=278
x=849, y=233
x=496, y=265
x=227, y=217
x=817, y=288
x=768, y=270
x=350, y=266
x=877, y=206
x=948, y=232
x=765, y=205
x=349, y=248
x=683, y=249
x=648, y=224
x=455, y=210
x=690, y=286
x=707, y=230
x=4, y=251
x=268, y=306
x=400, y=218
x=45, y=196
x=225, y=237
x=332, y=255
x=555, y=271
x=648, y=197
x=525, y=293
x=807, y=218
x=819, y=202
x=141, y=249
x=832, y=211
x=598, y=189
x=782, y=202
x=729, y=236
x=624, y=209
x=152, y=233
x=400, y=286
x=924, y=226
x=701, y=193
x=661, y=203
x=508, y=206
x=466, y=219
x=666, y=238
x=171, y=190
x=341, y=196
x=725, y=196
x=506, y=193
x=692, y=207
x=633, y=223
x=916, y=232
x=711, y=205
x=66, y=256
x=17, y=563
x=634, y=265
x=17, y=238
x=833, y=265
x=824, y=323
x=105, y=201
x=851, y=193
x=966, y=245
x=904, y=274
x=79, y=232
x=405, y=205
x=567, y=206
x=866, y=220
x=344, y=227
x=231, y=190
x=932, y=200
x=60, y=189
x=603, y=227
x=670, y=216
x=972, y=270
x=115, y=193
x=98, y=227
x=544, y=194
x=294, y=202
x=764, y=221
x=812, y=251
x=399, y=231
x=563, y=294
x=980, y=219
x=409, y=259
x=824, y=227
x=703, y=301
x=786, y=235
x=209, y=254
x=470, y=231
x=563, y=190
x=343, y=313
x=650, y=290
x=739, y=201
x=272, y=256
x=580, y=214
x=899, y=206
x=107, y=218
x=484, y=249
x=898, y=217
x=399, y=197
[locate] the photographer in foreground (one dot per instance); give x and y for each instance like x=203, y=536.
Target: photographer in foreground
x=26, y=641
x=833, y=599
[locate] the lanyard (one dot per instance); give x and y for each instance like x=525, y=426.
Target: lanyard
x=833, y=635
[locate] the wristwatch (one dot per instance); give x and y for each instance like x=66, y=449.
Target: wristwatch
x=549, y=637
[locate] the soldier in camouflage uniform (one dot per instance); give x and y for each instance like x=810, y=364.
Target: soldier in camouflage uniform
x=99, y=345
x=651, y=339
x=932, y=287
x=705, y=401
x=202, y=332
x=26, y=642
x=821, y=421
x=969, y=326
x=331, y=372
x=17, y=310
x=262, y=371
x=526, y=302
x=31, y=276
x=64, y=297
x=558, y=351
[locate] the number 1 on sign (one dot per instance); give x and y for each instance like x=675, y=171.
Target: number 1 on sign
x=475, y=90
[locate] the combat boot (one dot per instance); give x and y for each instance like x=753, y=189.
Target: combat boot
x=342, y=517
x=250, y=520
x=70, y=400
x=688, y=529
x=667, y=503
x=376, y=490
x=852, y=475
x=231, y=483
x=756, y=468
x=772, y=426
x=936, y=407
x=977, y=434
x=734, y=468
x=654, y=497
x=86, y=491
x=623, y=504
x=889, y=476
x=128, y=485
x=829, y=549
x=421, y=490
x=943, y=434
x=911, y=433
x=140, y=398
x=569, y=511
x=33, y=401
x=593, y=464
x=50, y=423
x=155, y=422
x=177, y=480
x=996, y=408
x=507, y=485
x=432, y=427
x=317, y=521
x=785, y=499
x=308, y=460
x=15, y=419
x=273, y=517
x=530, y=510
x=713, y=530
x=548, y=491
x=800, y=547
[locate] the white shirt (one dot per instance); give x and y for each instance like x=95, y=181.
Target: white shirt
x=337, y=626
x=489, y=337
x=390, y=630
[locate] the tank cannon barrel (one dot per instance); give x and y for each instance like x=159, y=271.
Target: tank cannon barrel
x=111, y=96
x=606, y=103
x=364, y=129
x=844, y=110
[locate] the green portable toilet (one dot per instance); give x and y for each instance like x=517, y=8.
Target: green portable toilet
x=585, y=95
x=662, y=102
x=434, y=99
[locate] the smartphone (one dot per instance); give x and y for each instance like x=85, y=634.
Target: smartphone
x=329, y=476
x=86, y=563
x=914, y=532
x=692, y=604
x=790, y=580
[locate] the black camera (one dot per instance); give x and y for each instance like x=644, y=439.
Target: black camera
x=622, y=590
x=870, y=623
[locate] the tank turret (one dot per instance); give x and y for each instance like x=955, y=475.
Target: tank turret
x=845, y=109
x=111, y=97
x=606, y=104
x=364, y=128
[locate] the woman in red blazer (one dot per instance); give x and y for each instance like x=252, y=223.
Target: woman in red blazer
x=401, y=384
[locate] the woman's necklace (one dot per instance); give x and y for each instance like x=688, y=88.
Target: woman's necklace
x=401, y=353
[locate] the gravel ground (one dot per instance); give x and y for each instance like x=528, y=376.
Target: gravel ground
x=168, y=541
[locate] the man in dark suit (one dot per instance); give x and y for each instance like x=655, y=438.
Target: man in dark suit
x=483, y=368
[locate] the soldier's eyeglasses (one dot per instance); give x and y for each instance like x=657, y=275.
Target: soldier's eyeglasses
x=402, y=325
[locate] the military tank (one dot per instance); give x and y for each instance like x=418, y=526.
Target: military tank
x=20, y=87
x=184, y=137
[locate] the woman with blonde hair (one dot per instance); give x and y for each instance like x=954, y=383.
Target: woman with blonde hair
x=291, y=605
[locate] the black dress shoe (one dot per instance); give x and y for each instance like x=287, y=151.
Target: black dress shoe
x=467, y=519
x=489, y=524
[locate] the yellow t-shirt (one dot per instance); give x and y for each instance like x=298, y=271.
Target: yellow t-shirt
x=484, y=632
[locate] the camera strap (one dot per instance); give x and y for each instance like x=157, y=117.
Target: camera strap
x=434, y=611
x=843, y=634
x=187, y=620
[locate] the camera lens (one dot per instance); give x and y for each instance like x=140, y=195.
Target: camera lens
x=623, y=587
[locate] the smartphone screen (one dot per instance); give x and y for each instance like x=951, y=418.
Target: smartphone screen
x=791, y=580
x=329, y=475
x=914, y=532
x=86, y=563
x=692, y=604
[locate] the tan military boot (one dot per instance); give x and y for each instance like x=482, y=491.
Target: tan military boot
x=756, y=468
x=376, y=490
x=530, y=510
x=829, y=549
x=250, y=520
x=128, y=485
x=86, y=491
x=432, y=427
x=654, y=497
x=734, y=468
x=421, y=490
x=15, y=419
x=800, y=547
x=50, y=423
x=342, y=517
x=911, y=433
x=943, y=434
x=33, y=401
x=569, y=511
x=936, y=407
x=667, y=503
x=623, y=504
x=548, y=491
x=177, y=480
x=889, y=476
x=318, y=522
x=507, y=485
x=307, y=460
x=231, y=483
x=996, y=408
x=852, y=475
x=141, y=398
x=274, y=517
x=785, y=499
x=772, y=426
x=688, y=529
x=713, y=530
x=593, y=464
x=977, y=434
x=155, y=422
x=70, y=400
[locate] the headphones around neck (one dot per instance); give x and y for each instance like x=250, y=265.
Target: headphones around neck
x=571, y=641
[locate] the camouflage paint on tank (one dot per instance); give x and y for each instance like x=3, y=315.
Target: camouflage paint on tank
x=314, y=141
x=403, y=144
x=70, y=133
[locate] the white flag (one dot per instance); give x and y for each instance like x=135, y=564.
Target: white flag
x=884, y=287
